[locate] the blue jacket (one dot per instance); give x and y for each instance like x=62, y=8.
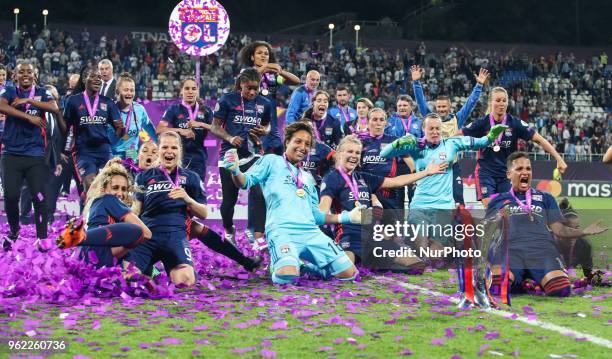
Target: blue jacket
x=299, y=102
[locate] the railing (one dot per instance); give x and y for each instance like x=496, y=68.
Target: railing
x=547, y=157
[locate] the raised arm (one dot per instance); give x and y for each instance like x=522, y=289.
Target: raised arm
x=400, y=147
x=469, y=105
x=416, y=73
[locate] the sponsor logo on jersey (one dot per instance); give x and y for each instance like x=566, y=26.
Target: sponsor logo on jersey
x=363, y=195
x=103, y=107
x=309, y=165
x=246, y=120
x=514, y=209
x=96, y=120
x=442, y=156
x=373, y=159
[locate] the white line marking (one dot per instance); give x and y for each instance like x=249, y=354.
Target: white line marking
x=507, y=315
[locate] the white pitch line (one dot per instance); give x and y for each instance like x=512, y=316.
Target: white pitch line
x=508, y=315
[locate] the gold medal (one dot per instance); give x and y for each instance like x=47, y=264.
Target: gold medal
x=265, y=92
x=496, y=148
x=530, y=216
x=300, y=192
x=125, y=137
x=357, y=204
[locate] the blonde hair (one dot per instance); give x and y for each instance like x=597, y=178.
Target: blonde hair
x=112, y=168
x=124, y=77
x=377, y=109
x=348, y=140
x=495, y=90
x=175, y=135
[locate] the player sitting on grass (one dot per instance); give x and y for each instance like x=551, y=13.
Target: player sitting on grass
x=533, y=214
x=292, y=211
x=112, y=228
x=577, y=252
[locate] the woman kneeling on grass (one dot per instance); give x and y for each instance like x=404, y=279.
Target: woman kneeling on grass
x=109, y=228
x=292, y=211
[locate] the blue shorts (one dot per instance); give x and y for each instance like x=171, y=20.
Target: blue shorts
x=488, y=185
x=286, y=249
x=98, y=256
x=172, y=248
x=91, y=163
x=534, y=263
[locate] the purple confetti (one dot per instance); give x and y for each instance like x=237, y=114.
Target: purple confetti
x=437, y=341
x=357, y=331
x=266, y=353
x=282, y=324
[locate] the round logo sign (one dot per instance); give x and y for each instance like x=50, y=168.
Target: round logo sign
x=199, y=27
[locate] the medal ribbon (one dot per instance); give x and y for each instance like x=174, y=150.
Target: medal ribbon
x=351, y=182
x=346, y=116
x=175, y=183
x=318, y=128
x=297, y=179
x=43, y=131
x=492, y=123
x=30, y=95
x=360, y=122
x=194, y=114
x=526, y=207
x=128, y=120
x=406, y=127
x=257, y=121
x=91, y=111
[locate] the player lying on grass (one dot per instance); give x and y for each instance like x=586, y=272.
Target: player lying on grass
x=533, y=215
x=292, y=211
x=345, y=188
x=109, y=228
x=147, y=159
